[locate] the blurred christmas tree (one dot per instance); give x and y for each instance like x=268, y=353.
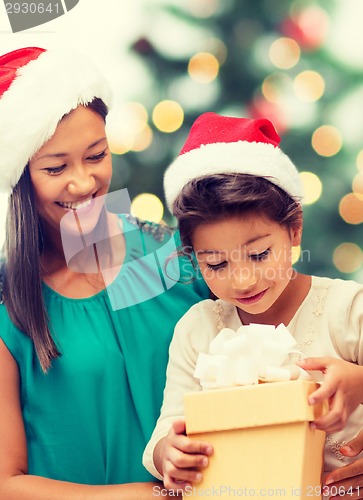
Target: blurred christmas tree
x=275, y=58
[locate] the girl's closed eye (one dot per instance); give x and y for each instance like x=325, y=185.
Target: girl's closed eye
x=215, y=267
x=261, y=256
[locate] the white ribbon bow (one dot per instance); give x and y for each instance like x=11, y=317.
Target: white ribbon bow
x=254, y=353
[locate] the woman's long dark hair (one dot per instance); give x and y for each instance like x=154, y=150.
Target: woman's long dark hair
x=215, y=197
x=22, y=270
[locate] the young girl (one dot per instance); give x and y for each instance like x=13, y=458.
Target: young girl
x=236, y=197
x=82, y=363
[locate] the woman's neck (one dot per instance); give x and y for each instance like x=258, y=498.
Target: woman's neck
x=89, y=270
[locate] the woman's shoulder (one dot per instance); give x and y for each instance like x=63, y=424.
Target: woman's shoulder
x=153, y=231
x=1, y=283
x=13, y=338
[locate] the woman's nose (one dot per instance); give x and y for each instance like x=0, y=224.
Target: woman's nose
x=82, y=182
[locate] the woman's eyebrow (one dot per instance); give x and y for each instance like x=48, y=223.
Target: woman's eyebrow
x=61, y=155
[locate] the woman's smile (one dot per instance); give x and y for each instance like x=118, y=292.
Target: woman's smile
x=76, y=205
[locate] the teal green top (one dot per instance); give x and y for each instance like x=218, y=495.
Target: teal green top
x=89, y=418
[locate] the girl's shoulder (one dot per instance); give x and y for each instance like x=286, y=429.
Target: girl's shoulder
x=337, y=295
x=337, y=287
x=211, y=313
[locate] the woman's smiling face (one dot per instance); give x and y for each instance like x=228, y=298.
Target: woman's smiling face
x=72, y=169
x=246, y=260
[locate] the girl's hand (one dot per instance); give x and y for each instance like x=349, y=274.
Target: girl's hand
x=182, y=458
x=342, y=387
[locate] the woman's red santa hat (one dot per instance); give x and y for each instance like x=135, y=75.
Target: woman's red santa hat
x=37, y=88
x=220, y=144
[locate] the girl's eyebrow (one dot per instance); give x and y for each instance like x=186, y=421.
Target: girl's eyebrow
x=249, y=242
x=61, y=155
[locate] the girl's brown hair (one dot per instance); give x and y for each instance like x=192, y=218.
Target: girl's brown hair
x=22, y=272
x=211, y=198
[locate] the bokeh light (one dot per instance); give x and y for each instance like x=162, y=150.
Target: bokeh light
x=357, y=184
x=203, y=67
x=284, y=53
x=168, y=116
x=194, y=97
x=359, y=161
x=351, y=208
x=347, y=116
x=203, y=8
x=345, y=35
x=147, y=206
x=312, y=187
x=142, y=139
x=216, y=47
x=274, y=87
x=295, y=254
x=327, y=140
x=309, y=86
x=348, y=258
x=126, y=126
x=309, y=25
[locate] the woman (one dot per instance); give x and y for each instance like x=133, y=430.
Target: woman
x=88, y=310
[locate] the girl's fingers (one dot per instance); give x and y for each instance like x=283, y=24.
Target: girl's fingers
x=183, y=460
x=191, y=446
x=335, y=419
x=325, y=391
x=313, y=363
x=184, y=475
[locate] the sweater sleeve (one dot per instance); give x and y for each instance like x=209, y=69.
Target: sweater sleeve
x=192, y=335
x=346, y=304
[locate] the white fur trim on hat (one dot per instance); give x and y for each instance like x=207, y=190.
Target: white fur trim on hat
x=43, y=91
x=255, y=158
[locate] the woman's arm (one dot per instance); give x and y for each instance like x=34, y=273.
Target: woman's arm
x=15, y=483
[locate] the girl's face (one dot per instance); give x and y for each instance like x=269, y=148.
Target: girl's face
x=72, y=169
x=246, y=261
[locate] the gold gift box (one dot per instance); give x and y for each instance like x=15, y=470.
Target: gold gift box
x=263, y=444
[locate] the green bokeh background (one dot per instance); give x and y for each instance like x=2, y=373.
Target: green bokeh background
x=245, y=29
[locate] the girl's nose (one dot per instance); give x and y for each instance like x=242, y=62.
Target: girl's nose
x=243, y=278
x=82, y=182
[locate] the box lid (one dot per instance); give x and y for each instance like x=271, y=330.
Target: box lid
x=250, y=406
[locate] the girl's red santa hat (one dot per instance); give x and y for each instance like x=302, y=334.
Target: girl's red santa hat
x=222, y=145
x=37, y=88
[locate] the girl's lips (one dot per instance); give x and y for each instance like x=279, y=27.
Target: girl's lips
x=252, y=299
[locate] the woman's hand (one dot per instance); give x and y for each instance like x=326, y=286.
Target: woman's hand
x=342, y=387
x=182, y=458
x=349, y=478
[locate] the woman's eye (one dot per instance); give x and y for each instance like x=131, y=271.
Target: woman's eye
x=261, y=256
x=54, y=170
x=215, y=267
x=100, y=156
